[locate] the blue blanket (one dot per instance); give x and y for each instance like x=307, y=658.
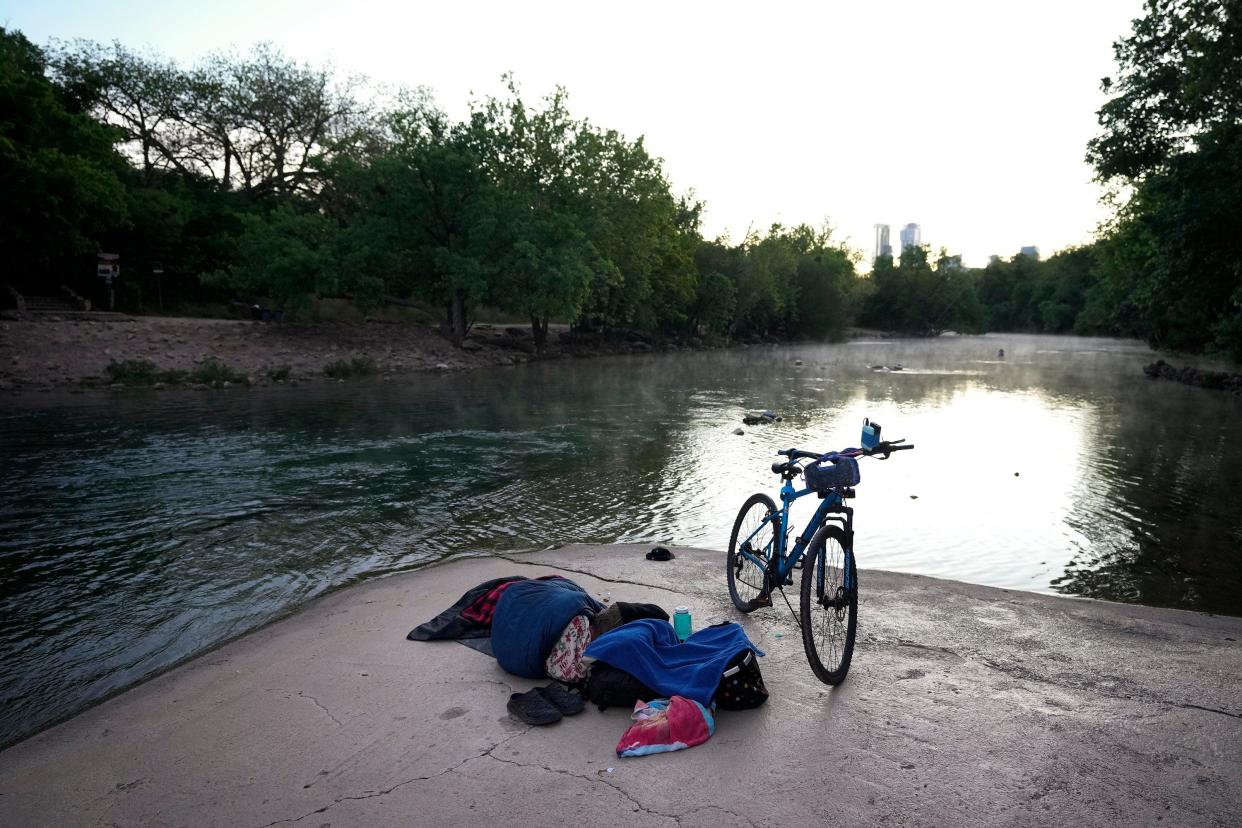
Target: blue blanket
x=649, y=650
x=530, y=616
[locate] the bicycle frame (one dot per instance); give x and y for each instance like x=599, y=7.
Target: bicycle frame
x=784, y=558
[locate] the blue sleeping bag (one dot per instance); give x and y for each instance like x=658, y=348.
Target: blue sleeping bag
x=648, y=650
x=530, y=616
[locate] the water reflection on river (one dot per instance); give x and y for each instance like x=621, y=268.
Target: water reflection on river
x=137, y=529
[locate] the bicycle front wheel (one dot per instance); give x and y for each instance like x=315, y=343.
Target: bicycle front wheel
x=754, y=533
x=829, y=604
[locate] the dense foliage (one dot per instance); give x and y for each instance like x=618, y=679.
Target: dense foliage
x=62, y=183
x=1171, y=262
x=254, y=177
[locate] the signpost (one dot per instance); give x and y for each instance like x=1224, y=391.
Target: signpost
x=108, y=267
x=157, y=270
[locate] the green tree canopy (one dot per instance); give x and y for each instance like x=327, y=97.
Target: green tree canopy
x=1179, y=80
x=1171, y=264
x=421, y=216
x=62, y=180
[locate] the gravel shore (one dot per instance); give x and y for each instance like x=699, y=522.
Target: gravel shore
x=55, y=352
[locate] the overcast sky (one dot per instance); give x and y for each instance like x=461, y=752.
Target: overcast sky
x=969, y=118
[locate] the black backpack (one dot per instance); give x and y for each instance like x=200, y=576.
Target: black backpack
x=741, y=687
x=609, y=686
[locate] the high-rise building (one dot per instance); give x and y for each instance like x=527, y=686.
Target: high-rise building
x=910, y=236
x=882, y=247
x=1030, y=250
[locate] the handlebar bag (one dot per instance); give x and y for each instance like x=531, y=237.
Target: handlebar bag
x=822, y=477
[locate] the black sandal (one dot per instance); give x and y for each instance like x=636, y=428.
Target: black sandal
x=660, y=553
x=564, y=701
x=531, y=707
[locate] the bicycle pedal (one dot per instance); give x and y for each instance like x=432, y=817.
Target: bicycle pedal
x=764, y=600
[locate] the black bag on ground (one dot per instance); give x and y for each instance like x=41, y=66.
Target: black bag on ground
x=741, y=686
x=609, y=686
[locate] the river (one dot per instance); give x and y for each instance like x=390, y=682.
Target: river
x=140, y=528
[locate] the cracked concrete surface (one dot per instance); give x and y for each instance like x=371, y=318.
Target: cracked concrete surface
x=965, y=705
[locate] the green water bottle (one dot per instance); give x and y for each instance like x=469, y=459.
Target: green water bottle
x=682, y=623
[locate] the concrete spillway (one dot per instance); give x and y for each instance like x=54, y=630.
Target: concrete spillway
x=965, y=705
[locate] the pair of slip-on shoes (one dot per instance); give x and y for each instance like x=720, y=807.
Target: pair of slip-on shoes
x=545, y=705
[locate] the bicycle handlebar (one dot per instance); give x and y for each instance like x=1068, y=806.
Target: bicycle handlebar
x=881, y=449
x=798, y=454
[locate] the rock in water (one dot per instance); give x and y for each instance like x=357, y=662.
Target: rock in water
x=760, y=418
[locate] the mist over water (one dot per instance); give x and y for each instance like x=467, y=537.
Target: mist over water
x=139, y=528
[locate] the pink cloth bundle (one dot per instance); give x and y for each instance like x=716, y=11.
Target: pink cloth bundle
x=666, y=724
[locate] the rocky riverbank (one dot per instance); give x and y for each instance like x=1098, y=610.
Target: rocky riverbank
x=43, y=353
x=1189, y=375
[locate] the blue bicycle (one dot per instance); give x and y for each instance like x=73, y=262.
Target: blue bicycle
x=761, y=558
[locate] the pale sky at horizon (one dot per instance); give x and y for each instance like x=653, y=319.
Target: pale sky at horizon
x=969, y=118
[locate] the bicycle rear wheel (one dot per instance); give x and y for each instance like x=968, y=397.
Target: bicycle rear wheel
x=829, y=604
x=754, y=532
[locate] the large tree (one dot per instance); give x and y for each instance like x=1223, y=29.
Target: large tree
x=1171, y=144
x=61, y=178
x=260, y=123
x=531, y=157
x=644, y=276
x=421, y=216
x=1178, y=81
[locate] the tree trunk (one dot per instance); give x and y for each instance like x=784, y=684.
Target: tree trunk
x=539, y=329
x=457, y=318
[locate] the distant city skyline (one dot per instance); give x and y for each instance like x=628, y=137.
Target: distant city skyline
x=882, y=246
x=911, y=236
x=751, y=138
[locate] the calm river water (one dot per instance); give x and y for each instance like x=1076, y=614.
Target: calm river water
x=139, y=528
